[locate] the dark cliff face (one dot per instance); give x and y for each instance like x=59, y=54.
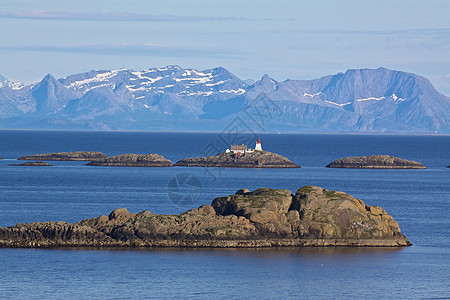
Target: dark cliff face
x=66, y=156
x=256, y=159
x=262, y=218
x=375, y=162
x=133, y=160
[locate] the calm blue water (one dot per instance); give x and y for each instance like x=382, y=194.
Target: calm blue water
x=418, y=199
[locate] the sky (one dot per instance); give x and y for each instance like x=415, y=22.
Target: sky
x=284, y=39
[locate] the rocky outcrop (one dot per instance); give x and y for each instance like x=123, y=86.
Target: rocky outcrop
x=262, y=218
x=133, y=160
x=256, y=159
x=375, y=162
x=66, y=156
x=32, y=164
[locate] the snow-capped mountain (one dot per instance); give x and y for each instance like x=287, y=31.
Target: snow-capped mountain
x=173, y=98
x=15, y=85
x=378, y=100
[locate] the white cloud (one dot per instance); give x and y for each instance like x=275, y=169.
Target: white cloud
x=129, y=50
x=106, y=16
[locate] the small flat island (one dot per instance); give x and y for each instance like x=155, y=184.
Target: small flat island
x=66, y=156
x=263, y=218
x=375, y=162
x=32, y=164
x=133, y=160
x=240, y=157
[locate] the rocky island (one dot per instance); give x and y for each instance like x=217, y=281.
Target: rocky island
x=256, y=159
x=32, y=164
x=239, y=156
x=66, y=156
x=263, y=218
x=375, y=162
x=133, y=160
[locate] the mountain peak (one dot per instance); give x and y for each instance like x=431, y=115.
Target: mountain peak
x=359, y=100
x=266, y=80
x=50, y=78
x=265, y=77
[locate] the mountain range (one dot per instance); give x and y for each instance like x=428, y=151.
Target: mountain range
x=177, y=99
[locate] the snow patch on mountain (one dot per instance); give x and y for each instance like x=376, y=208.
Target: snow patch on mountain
x=338, y=104
x=311, y=95
x=370, y=98
x=365, y=100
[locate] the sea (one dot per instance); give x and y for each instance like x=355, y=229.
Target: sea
x=419, y=200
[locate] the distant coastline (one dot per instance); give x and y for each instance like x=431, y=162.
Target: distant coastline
x=242, y=132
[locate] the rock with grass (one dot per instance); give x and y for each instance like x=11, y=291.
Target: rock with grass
x=66, y=156
x=375, y=162
x=133, y=160
x=32, y=164
x=256, y=159
x=313, y=216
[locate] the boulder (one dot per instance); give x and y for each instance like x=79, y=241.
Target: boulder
x=118, y=212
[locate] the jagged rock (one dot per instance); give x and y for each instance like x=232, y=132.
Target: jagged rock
x=242, y=192
x=256, y=159
x=133, y=160
x=66, y=156
x=262, y=218
x=32, y=164
x=375, y=162
x=118, y=212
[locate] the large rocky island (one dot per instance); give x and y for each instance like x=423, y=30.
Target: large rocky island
x=256, y=159
x=133, y=160
x=375, y=162
x=66, y=156
x=262, y=218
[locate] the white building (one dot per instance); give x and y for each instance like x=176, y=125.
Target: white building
x=258, y=146
x=243, y=148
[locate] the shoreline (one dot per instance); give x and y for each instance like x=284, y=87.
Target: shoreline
x=227, y=244
x=218, y=132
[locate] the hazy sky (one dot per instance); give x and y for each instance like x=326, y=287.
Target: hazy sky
x=285, y=39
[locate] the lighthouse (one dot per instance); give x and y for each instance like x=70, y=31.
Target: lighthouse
x=258, y=145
